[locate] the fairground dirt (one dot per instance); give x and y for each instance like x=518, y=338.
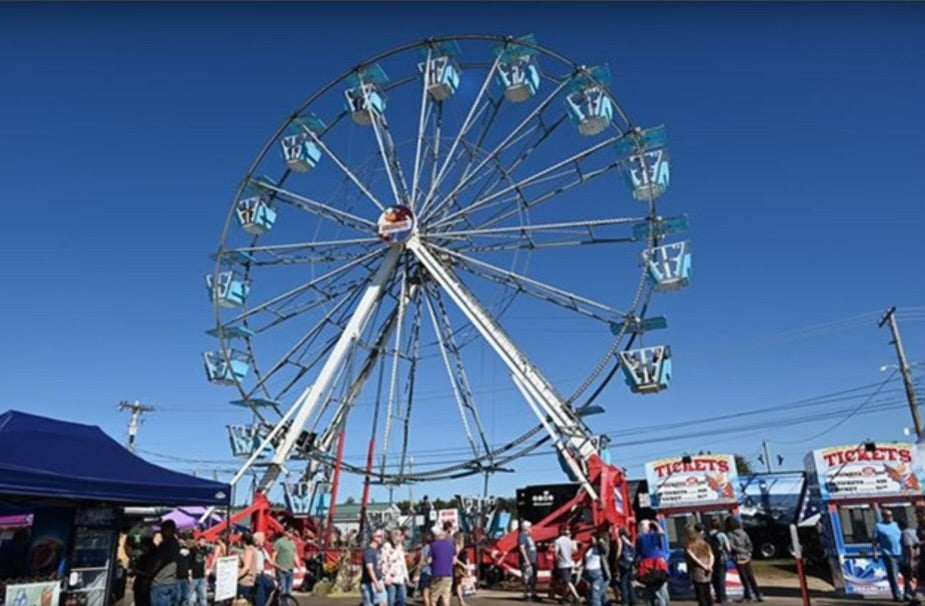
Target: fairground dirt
x=777, y=579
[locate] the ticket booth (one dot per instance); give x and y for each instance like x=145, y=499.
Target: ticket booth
x=689, y=489
x=854, y=485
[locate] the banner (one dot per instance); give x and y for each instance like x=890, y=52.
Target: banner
x=226, y=578
x=692, y=481
x=851, y=472
x=33, y=594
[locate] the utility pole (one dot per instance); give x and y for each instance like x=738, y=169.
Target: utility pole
x=767, y=453
x=890, y=317
x=137, y=409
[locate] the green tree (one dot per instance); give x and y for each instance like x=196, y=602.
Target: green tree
x=743, y=466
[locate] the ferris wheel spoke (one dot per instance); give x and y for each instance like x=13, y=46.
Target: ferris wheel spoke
x=456, y=372
x=321, y=209
x=500, y=148
x=423, y=119
x=387, y=151
x=413, y=354
x=573, y=163
x=463, y=130
x=529, y=286
x=312, y=285
x=305, y=252
x=347, y=172
x=529, y=237
x=391, y=405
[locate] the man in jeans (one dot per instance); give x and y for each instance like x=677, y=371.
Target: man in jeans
x=284, y=550
x=373, y=586
x=527, y=547
x=163, y=571
x=887, y=545
x=197, y=594
x=442, y=558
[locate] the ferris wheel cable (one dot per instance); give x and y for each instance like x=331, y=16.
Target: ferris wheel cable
x=495, y=152
x=340, y=164
x=463, y=130
x=534, y=178
x=458, y=394
x=479, y=143
x=310, y=246
x=535, y=288
x=523, y=229
x=323, y=210
x=422, y=121
x=308, y=286
x=387, y=151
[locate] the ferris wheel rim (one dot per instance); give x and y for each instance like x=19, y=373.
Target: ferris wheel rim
x=307, y=104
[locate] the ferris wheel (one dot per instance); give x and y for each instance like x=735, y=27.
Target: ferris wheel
x=439, y=231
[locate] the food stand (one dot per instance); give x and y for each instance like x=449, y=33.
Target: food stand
x=853, y=485
x=689, y=489
x=74, y=480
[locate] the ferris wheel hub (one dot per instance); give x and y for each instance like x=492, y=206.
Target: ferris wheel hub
x=396, y=224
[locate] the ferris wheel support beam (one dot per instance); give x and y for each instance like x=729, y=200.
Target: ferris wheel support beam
x=314, y=394
x=570, y=434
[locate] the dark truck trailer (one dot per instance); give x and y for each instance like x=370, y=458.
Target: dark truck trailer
x=536, y=502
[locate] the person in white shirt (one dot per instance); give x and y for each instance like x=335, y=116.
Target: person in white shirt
x=565, y=548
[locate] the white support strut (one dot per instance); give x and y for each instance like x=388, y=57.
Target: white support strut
x=315, y=393
x=565, y=428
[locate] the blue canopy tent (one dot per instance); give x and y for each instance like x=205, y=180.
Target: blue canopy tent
x=42, y=457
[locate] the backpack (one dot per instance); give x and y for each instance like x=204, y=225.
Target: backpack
x=717, y=546
x=627, y=556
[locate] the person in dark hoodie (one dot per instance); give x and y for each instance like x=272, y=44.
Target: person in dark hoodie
x=741, y=546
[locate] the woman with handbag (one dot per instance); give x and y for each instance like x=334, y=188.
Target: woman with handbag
x=742, y=549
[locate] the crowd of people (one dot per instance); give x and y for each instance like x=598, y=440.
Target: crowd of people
x=615, y=561
x=171, y=569
x=439, y=573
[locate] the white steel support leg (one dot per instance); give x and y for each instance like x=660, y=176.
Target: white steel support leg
x=316, y=392
x=566, y=427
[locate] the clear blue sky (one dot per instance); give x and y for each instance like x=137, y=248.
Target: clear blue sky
x=797, y=136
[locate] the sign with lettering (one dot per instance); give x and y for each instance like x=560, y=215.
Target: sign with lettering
x=880, y=470
x=692, y=481
x=226, y=578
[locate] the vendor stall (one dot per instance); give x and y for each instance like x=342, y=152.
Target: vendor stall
x=74, y=481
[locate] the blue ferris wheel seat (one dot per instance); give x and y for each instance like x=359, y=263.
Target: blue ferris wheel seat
x=299, y=148
x=647, y=369
x=227, y=290
x=518, y=72
x=669, y=266
x=255, y=216
x=365, y=97
x=442, y=74
x=246, y=439
x=646, y=169
x=588, y=102
x=226, y=371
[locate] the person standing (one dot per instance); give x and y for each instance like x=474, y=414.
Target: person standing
x=460, y=566
x=527, y=548
x=653, y=563
x=395, y=569
x=264, y=562
x=183, y=569
x=284, y=551
x=887, y=544
x=719, y=543
x=626, y=566
x=373, y=584
x=163, y=571
x=424, y=569
x=564, y=549
x=247, y=571
x=909, y=562
x=442, y=559
x=700, y=562
x=740, y=546
x=199, y=554
x=596, y=570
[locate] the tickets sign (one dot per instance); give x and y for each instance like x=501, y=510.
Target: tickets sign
x=850, y=472
x=692, y=481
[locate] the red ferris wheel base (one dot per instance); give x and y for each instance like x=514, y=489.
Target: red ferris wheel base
x=582, y=514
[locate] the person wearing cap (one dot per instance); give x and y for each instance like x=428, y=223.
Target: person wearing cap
x=564, y=549
x=527, y=547
x=888, y=545
x=373, y=584
x=442, y=561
